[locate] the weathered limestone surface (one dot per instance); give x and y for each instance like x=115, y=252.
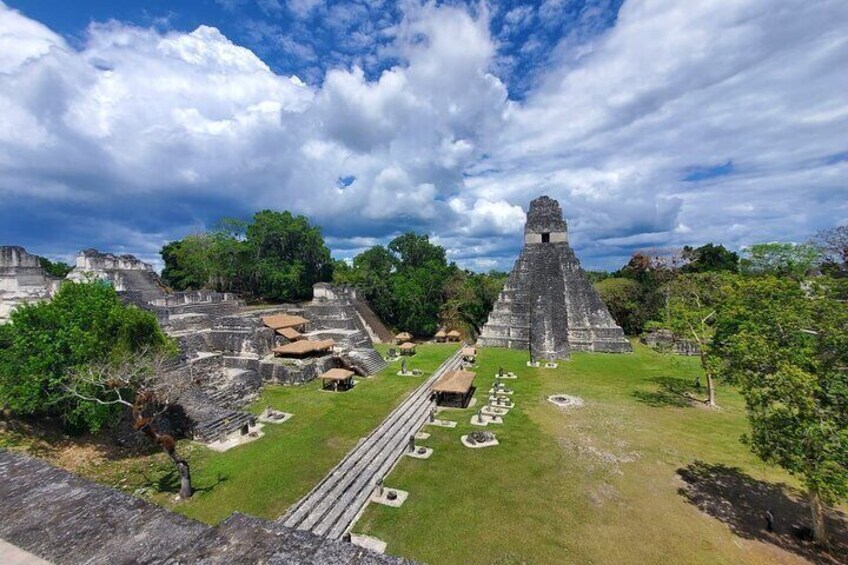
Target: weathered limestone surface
x=125, y=272
x=22, y=280
x=548, y=304
x=68, y=520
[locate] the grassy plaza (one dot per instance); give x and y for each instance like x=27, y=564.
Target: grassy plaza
x=595, y=484
x=599, y=483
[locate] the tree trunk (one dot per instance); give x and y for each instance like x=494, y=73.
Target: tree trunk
x=185, y=475
x=711, y=399
x=817, y=514
x=168, y=445
x=711, y=396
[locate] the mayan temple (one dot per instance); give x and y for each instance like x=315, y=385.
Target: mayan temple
x=548, y=305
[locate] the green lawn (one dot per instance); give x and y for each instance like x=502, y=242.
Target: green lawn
x=265, y=477
x=597, y=484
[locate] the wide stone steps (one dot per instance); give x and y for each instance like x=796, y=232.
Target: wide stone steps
x=335, y=503
x=368, y=361
x=222, y=426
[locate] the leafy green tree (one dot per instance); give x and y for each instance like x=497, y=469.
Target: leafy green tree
x=691, y=313
x=189, y=263
x=597, y=276
x=468, y=299
x=411, y=286
x=277, y=256
x=45, y=342
x=58, y=269
x=652, y=274
x=781, y=259
x=286, y=255
x=710, y=258
x=787, y=348
x=623, y=298
x=416, y=296
x=415, y=250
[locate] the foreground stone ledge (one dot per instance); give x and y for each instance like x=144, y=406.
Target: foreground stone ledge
x=63, y=518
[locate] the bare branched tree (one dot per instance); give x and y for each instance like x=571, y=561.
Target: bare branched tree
x=141, y=382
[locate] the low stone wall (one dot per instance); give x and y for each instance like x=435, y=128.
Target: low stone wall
x=667, y=342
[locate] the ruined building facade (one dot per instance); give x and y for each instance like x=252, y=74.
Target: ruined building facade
x=22, y=280
x=548, y=306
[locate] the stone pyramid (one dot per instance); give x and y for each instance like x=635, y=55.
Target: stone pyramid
x=548, y=306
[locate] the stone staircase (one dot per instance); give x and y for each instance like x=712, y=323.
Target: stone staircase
x=364, y=361
x=227, y=422
x=374, y=323
x=333, y=506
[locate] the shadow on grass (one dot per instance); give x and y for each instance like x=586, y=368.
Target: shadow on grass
x=741, y=502
x=670, y=391
x=170, y=482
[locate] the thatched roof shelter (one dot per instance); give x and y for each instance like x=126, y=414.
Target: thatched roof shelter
x=408, y=346
x=338, y=379
x=290, y=334
x=280, y=321
x=455, y=382
x=403, y=336
x=454, y=335
x=303, y=348
x=469, y=351
x=337, y=375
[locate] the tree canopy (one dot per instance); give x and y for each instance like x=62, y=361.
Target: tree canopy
x=46, y=342
x=780, y=259
x=623, y=298
x=58, y=269
x=833, y=245
x=277, y=257
x=710, y=258
x=786, y=346
x=411, y=286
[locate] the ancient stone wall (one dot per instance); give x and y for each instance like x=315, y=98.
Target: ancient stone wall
x=22, y=280
x=666, y=342
x=125, y=272
x=66, y=519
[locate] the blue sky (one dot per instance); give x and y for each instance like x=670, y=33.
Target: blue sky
x=656, y=123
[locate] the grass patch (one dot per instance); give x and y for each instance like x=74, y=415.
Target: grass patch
x=597, y=484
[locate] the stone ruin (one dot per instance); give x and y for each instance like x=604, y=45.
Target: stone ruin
x=226, y=352
x=22, y=280
x=548, y=306
x=665, y=341
x=125, y=273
